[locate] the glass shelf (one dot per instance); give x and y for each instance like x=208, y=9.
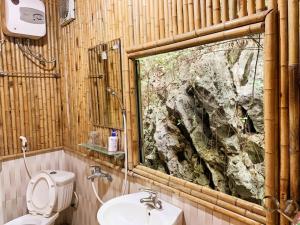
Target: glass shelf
x=102, y=150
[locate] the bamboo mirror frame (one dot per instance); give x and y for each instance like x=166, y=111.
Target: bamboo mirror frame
x=249, y=213
x=105, y=72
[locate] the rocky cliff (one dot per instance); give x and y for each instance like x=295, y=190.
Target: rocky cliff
x=202, y=113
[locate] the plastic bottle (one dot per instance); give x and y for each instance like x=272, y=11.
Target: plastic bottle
x=113, y=142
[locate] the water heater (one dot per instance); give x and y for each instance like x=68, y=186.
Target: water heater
x=24, y=18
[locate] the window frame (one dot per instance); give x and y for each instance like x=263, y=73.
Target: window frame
x=271, y=96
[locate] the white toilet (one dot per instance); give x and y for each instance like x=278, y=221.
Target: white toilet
x=48, y=193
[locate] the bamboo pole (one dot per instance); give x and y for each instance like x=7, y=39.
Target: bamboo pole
x=54, y=53
x=170, y=19
x=167, y=18
x=174, y=18
x=179, y=8
x=156, y=19
x=136, y=26
x=7, y=101
x=148, y=21
x=11, y=97
x=197, y=14
x=293, y=35
x=251, y=7
x=209, y=13
x=284, y=112
x=225, y=11
x=15, y=105
x=145, y=22
x=185, y=16
x=219, y=36
x=161, y=20
x=203, y=13
x=141, y=22
x=30, y=153
x=216, y=12
x=208, y=202
x=195, y=188
x=270, y=99
x=125, y=64
x=260, y=5
x=242, y=8
x=259, y=17
x=191, y=15
x=5, y=147
x=130, y=23
x=232, y=9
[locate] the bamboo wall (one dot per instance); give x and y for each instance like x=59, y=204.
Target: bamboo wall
x=30, y=102
x=97, y=22
x=147, y=26
x=136, y=22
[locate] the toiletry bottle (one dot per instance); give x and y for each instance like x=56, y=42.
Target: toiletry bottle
x=113, y=142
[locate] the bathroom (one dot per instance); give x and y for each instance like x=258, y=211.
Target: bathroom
x=133, y=112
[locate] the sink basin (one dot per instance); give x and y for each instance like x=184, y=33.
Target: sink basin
x=127, y=210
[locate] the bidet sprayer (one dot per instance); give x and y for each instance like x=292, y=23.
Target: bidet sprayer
x=23, y=142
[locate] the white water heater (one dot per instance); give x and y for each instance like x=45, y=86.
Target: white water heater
x=24, y=18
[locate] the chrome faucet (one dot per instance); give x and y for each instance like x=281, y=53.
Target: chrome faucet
x=96, y=172
x=152, y=201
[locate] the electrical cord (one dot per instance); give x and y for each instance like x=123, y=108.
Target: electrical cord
x=29, y=52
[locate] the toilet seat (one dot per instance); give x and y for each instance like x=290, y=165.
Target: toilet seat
x=41, y=195
x=33, y=220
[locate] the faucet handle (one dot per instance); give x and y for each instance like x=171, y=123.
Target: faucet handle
x=148, y=190
x=96, y=169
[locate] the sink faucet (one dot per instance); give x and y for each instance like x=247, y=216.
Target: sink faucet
x=96, y=172
x=152, y=201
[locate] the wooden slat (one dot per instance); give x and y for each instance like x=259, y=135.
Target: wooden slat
x=294, y=98
x=26, y=97
x=270, y=110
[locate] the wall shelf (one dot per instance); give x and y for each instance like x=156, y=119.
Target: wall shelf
x=117, y=155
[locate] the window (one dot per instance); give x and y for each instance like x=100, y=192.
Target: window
x=201, y=113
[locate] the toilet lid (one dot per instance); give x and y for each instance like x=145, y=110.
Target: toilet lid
x=41, y=195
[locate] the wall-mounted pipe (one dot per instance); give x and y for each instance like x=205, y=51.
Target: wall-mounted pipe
x=113, y=93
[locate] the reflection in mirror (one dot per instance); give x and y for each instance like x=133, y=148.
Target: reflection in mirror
x=105, y=74
x=201, y=113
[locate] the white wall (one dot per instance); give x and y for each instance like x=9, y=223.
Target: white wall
x=13, y=184
x=14, y=180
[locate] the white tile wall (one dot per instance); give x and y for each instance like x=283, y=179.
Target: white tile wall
x=14, y=180
x=13, y=183
x=86, y=213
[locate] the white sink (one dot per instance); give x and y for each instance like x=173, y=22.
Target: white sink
x=127, y=210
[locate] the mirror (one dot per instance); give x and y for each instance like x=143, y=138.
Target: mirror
x=105, y=74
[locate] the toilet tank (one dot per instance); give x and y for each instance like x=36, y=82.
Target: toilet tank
x=65, y=184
